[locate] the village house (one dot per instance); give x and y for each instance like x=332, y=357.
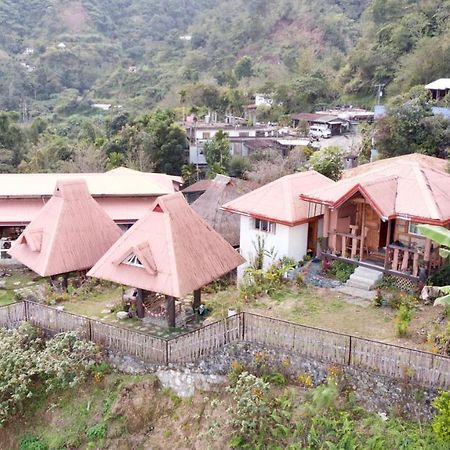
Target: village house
x=439, y=88
x=328, y=121
x=275, y=216
x=126, y=195
x=171, y=252
x=371, y=215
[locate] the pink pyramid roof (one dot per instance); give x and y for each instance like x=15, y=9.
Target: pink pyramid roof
x=71, y=232
x=279, y=201
x=409, y=187
x=171, y=251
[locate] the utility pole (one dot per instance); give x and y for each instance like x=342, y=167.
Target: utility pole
x=379, y=87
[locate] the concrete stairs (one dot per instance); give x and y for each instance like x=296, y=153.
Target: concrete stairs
x=361, y=283
x=364, y=278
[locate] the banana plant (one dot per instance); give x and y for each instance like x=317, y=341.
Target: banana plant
x=440, y=235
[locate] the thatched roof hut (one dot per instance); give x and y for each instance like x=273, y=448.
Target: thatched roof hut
x=171, y=251
x=70, y=233
x=223, y=190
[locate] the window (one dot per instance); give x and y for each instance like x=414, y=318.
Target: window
x=206, y=135
x=133, y=260
x=265, y=225
x=412, y=228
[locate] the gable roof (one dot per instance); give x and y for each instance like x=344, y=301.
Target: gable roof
x=279, y=200
x=222, y=190
x=413, y=187
x=71, y=232
x=178, y=251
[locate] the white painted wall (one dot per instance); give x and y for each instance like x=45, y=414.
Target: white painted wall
x=287, y=241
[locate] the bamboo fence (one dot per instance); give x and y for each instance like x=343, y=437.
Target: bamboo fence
x=417, y=367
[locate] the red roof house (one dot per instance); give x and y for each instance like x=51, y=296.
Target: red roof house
x=70, y=232
x=374, y=210
x=275, y=214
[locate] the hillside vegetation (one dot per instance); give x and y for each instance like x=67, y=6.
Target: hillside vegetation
x=129, y=51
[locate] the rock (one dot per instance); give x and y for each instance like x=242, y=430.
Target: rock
x=17, y=283
x=2, y=284
x=60, y=308
x=106, y=311
x=122, y=315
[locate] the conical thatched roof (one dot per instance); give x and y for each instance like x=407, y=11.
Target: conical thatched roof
x=171, y=251
x=208, y=206
x=71, y=232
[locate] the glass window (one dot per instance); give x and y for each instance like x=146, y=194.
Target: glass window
x=412, y=229
x=265, y=225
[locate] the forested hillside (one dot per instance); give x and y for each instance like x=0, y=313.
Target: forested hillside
x=58, y=56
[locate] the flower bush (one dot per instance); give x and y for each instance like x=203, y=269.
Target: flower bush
x=31, y=365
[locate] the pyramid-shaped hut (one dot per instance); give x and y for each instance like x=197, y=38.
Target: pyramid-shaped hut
x=70, y=233
x=170, y=251
x=209, y=206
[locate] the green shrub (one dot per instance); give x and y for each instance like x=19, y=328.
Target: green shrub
x=441, y=421
x=97, y=432
x=277, y=378
x=403, y=319
x=32, y=443
x=341, y=270
x=259, y=419
x=378, y=299
x=441, y=277
x=399, y=299
x=29, y=364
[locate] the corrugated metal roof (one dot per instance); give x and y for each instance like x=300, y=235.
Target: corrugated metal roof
x=279, y=201
x=441, y=84
x=411, y=186
x=125, y=182
x=71, y=232
x=178, y=251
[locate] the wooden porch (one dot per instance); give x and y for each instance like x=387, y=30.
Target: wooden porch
x=355, y=233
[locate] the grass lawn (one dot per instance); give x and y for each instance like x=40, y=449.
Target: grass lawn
x=318, y=307
x=17, y=282
x=331, y=310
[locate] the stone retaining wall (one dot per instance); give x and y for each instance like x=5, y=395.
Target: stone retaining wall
x=374, y=392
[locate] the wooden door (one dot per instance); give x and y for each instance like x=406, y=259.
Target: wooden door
x=312, y=236
x=372, y=223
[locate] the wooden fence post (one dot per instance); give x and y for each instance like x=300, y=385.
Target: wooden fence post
x=349, y=359
x=89, y=330
x=243, y=325
x=25, y=310
x=166, y=356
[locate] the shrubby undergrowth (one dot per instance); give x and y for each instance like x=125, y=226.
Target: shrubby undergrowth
x=326, y=417
x=31, y=365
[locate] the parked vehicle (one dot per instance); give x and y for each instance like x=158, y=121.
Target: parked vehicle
x=319, y=131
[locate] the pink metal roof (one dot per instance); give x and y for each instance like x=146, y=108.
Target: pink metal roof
x=121, y=182
x=279, y=201
x=410, y=187
x=71, y=232
x=176, y=250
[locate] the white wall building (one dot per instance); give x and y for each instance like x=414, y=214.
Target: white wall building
x=275, y=215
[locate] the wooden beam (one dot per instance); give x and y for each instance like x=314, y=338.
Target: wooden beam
x=415, y=270
x=405, y=260
x=388, y=241
x=140, y=310
x=197, y=299
x=170, y=308
x=395, y=259
x=363, y=232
